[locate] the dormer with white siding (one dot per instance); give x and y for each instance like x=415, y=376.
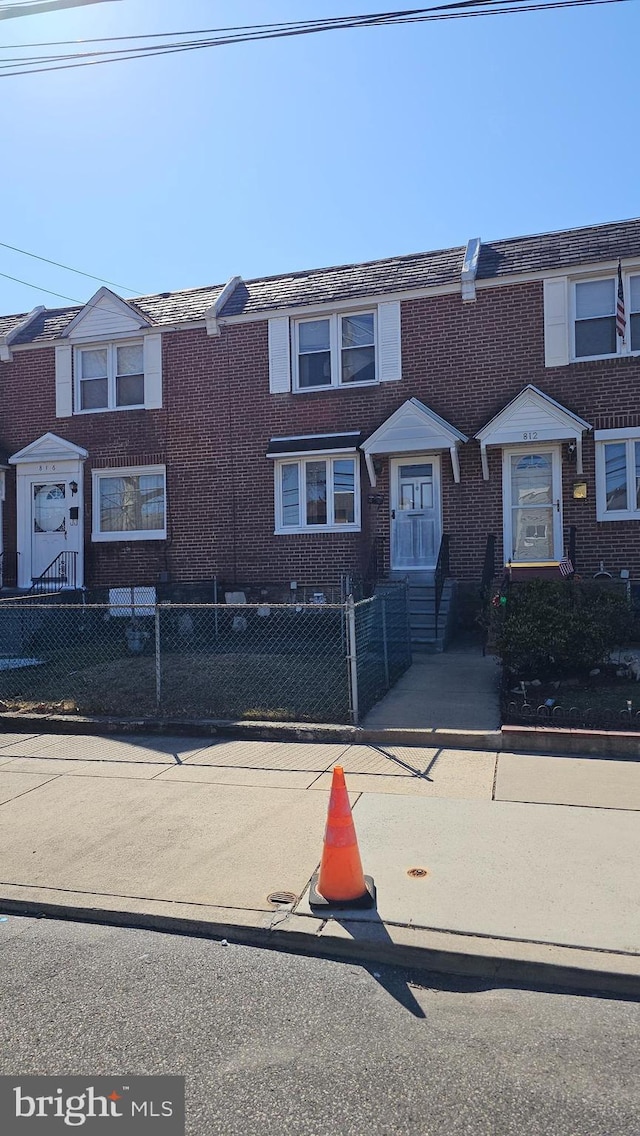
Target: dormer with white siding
x=110, y=359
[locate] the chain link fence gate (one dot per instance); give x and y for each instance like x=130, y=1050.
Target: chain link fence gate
x=281, y=662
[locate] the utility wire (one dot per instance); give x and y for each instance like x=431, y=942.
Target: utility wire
x=463, y=10
x=39, y=289
x=76, y=271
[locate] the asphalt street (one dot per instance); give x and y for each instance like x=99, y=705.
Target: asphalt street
x=272, y=1043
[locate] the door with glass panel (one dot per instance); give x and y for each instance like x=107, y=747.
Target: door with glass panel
x=532, y=505
x=416, y=524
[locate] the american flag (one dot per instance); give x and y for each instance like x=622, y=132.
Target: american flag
x=565, y=566
x=621, y=319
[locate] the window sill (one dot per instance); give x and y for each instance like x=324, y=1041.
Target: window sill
x=316, y=530
x=125, y=537
x=109, y=409
x=607, y=358
x=627, y=515
x=334, y=387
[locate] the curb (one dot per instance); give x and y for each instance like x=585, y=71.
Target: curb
x=514, y=739
x=457, y=960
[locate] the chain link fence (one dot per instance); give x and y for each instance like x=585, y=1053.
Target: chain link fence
x=287, y=662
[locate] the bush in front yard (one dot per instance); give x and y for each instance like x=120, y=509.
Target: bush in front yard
x=556, y=628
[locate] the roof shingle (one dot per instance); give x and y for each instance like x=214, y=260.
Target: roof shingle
x=543, y=252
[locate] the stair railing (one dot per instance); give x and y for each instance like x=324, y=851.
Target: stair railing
x=62, y=571
x=572, y=546
x=440, y=575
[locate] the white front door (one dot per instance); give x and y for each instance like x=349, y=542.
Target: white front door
x=49, y=522
x=532, y=504
x=416, y=512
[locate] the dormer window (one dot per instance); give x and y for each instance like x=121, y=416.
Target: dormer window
x=109, y=377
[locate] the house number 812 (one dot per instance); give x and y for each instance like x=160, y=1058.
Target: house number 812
x=530, y=436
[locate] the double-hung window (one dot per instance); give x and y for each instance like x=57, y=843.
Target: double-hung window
x=618, y=475
x=317, y=494
x=595, y=303
x=339, y=350
x=109, y=376
x=129, y=504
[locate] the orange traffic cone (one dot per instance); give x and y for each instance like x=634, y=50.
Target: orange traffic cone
x=341, y=881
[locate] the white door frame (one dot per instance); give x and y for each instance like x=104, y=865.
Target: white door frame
x=556, y=492
x=48, y=459
x=395, y=462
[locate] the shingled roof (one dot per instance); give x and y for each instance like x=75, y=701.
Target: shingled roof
x=541, y=253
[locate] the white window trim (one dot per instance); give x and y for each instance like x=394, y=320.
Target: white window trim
x=629, y=437
x=110, y=346
x=335, y=349
x=331, y=527
x=135, y=534
x=623, y=347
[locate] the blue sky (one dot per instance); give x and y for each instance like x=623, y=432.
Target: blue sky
x=327, y=149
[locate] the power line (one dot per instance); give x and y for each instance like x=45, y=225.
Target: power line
x=252, y=33
x=39, y=289
x=76, y=271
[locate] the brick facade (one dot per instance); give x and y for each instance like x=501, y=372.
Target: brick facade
x=464, y=361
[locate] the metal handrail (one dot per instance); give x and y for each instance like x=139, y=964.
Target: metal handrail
x=62, y=570
x=440, y=574
x=489, y=566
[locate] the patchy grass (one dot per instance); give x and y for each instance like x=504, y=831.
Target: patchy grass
x=250, y=686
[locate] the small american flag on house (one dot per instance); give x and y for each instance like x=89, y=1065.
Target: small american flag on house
x=565, y=566
x=621, y=319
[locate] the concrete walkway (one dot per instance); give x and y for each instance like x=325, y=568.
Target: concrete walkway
x=174, y=833
x=454, y=690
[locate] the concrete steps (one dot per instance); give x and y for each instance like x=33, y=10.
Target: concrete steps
x=425, y=635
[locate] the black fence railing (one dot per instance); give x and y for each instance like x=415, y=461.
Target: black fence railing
x=570, y=717
x=62, y=572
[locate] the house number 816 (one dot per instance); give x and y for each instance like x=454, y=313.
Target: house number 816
x=530, y=436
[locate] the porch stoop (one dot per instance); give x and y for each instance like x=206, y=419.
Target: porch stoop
x=422, y=616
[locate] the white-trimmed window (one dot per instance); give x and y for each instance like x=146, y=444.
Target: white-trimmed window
x=594, y=322
x=336, y=350
x=130, y=504
x=109, y=376
x=318, y=493
x=618, y=475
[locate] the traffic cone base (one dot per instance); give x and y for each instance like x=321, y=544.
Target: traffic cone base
x=367, y=899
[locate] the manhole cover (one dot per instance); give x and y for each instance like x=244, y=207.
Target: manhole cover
x=281, y=897
x=417, y=873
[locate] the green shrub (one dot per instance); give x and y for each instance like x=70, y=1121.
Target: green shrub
x=557, y=628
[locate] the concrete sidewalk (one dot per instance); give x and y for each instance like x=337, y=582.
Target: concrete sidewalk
x=457, y=690
x=174, y=833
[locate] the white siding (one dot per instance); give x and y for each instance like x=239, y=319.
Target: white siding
x=556, y=322
x=64, y=381
x=106, y=319
x=410, y=431
x=279, y=355
x=389, y=342
x=153, y=372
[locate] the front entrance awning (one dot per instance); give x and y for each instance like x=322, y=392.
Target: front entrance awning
x=532, y=416
x=49, y=448
x=413, y=428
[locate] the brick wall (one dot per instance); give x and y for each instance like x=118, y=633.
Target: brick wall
x=464, y=361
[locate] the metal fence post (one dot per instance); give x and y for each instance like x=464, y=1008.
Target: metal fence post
x=350, y=609
x=158, y=667
x=385, y=644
